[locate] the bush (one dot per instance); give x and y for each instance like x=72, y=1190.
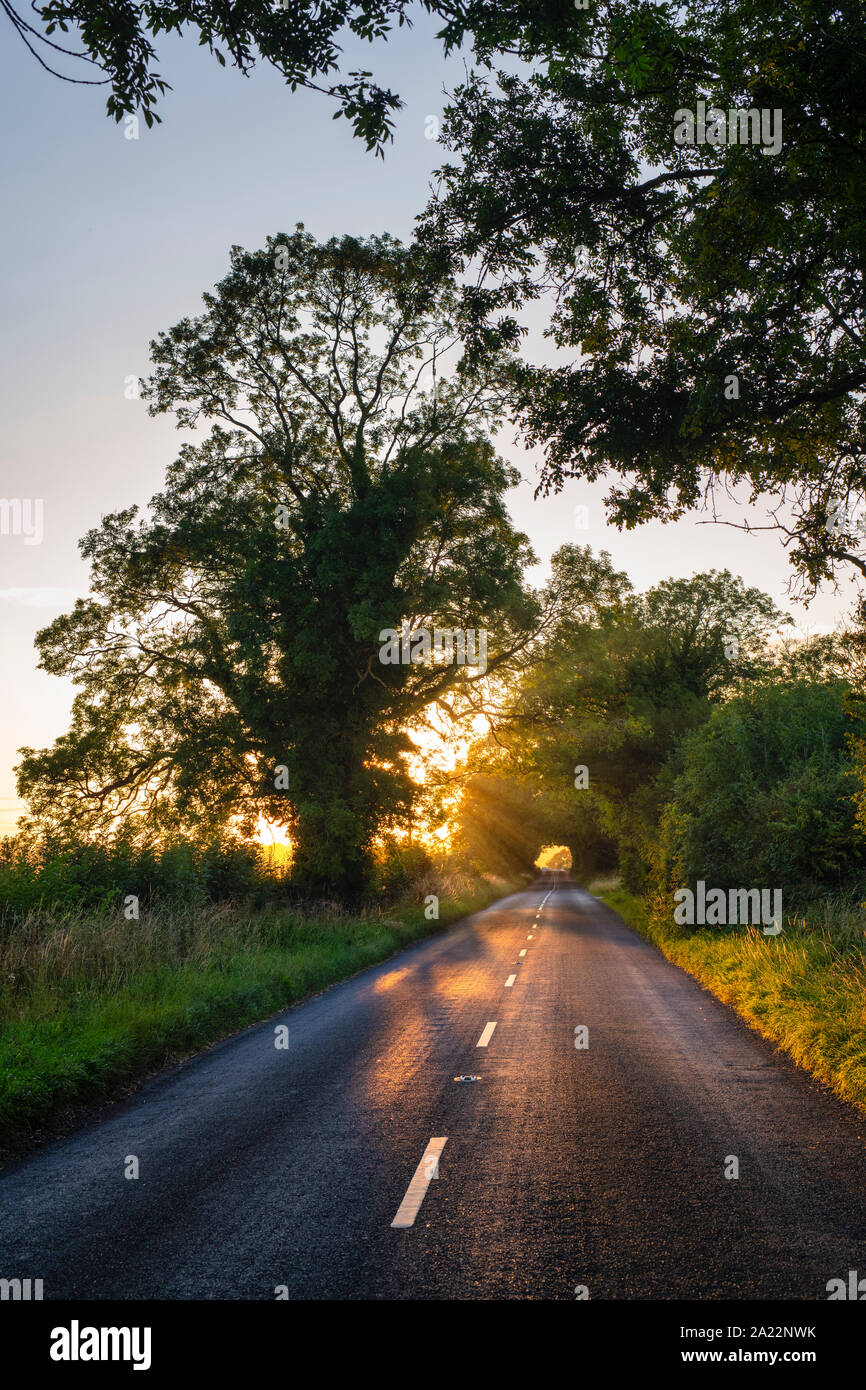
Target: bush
x=402, y=867
x=765, y=796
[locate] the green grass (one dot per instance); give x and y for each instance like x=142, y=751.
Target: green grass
x=805, y=989
x=90, y=1004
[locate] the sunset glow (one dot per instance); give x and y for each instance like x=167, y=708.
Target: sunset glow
x=270, y=833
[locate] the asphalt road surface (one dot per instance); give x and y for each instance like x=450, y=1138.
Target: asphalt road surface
x=560, y=1168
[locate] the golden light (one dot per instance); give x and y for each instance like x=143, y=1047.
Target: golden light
x=554, y=857
x=268, y=832
x=437, y=744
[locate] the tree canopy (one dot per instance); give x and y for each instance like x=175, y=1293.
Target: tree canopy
x=297, y=37
x=301, y=39
x=707, y=289
x=708, y=298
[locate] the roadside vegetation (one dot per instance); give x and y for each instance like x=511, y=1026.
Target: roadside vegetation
x=92, y=1002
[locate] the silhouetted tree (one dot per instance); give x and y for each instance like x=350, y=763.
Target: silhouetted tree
x=229, y=653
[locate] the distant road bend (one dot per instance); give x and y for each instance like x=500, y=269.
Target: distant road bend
x=433, y=1131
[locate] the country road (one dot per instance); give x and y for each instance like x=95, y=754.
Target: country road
x=562, y=1167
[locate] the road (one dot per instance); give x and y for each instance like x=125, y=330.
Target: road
x=563, y=1168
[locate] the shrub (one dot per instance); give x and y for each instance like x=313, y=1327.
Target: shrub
x=765, y=796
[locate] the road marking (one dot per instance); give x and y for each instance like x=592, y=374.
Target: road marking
x=523, y=952
x=529, y=938
x=427, y=1169
x=510, y=981
x=486, y=1035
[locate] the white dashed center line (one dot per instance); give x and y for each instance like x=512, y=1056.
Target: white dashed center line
x=486, y=1035
x=523, y=952
x=510, y=981
x=426, y=1171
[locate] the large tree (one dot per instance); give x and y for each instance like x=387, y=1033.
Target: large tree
x=229, y=652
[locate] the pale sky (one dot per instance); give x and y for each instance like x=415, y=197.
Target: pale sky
x=107, y=241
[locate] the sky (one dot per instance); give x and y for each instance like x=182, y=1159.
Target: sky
x=107, y=240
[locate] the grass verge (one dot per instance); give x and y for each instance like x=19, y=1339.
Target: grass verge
x=90, y=1005
x=804, y=990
